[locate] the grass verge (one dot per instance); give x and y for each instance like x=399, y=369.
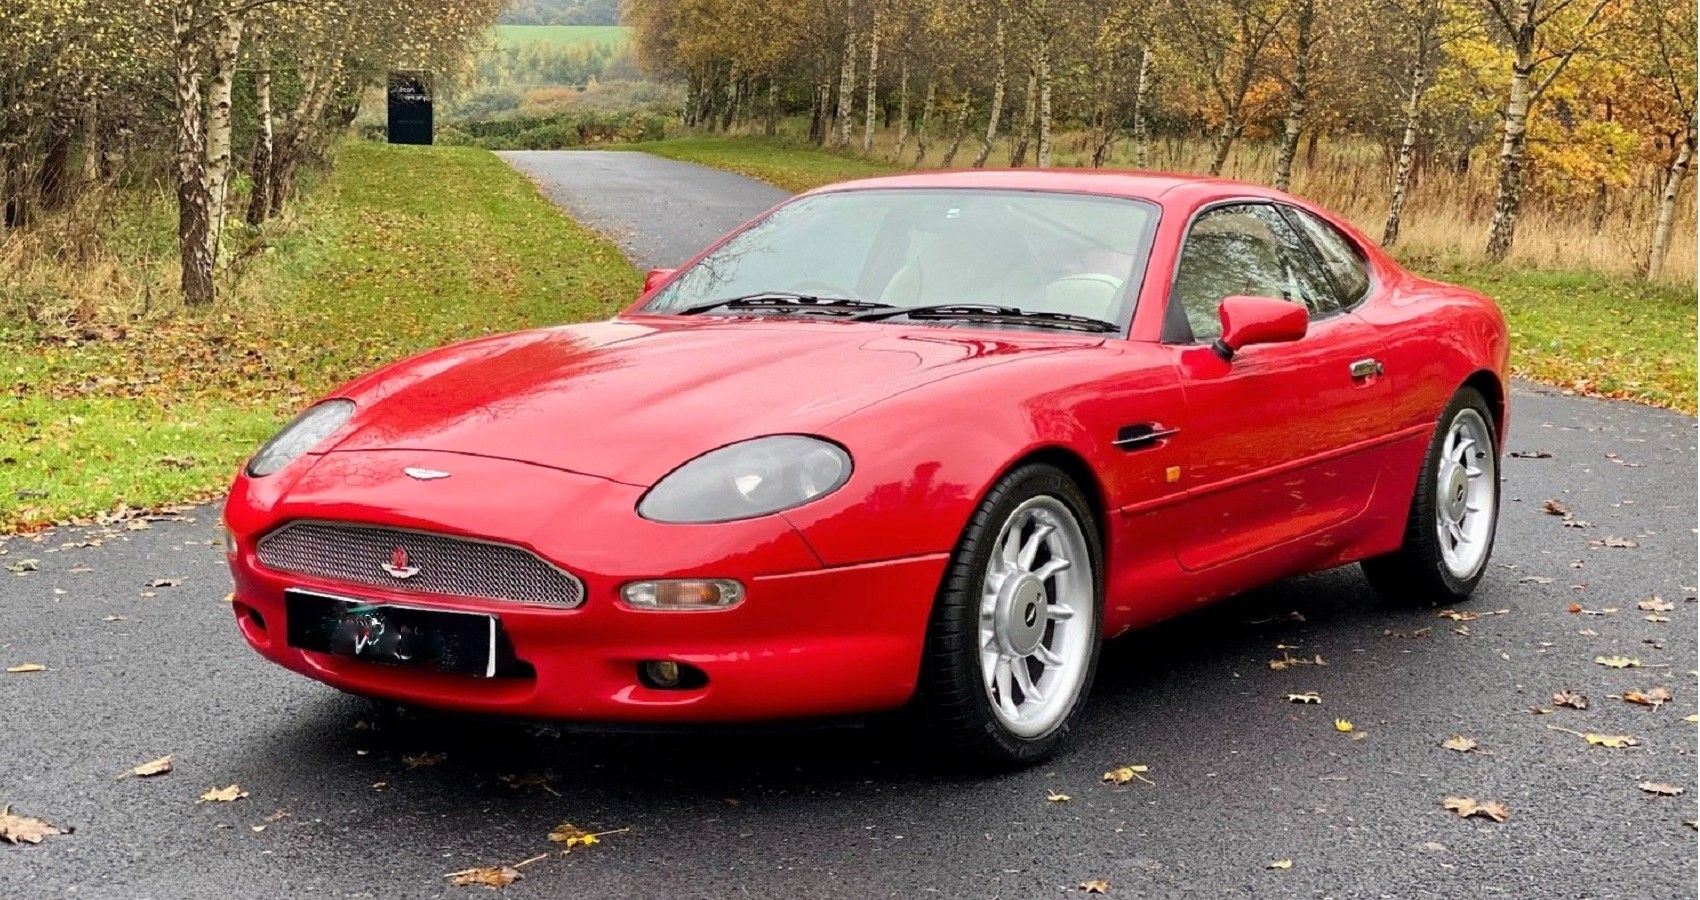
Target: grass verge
x=399, y=250
x=1592, y=333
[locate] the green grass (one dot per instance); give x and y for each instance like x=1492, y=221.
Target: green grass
x=1591, y=333
x=399, y=250
x=775, y=162
x=561, y=35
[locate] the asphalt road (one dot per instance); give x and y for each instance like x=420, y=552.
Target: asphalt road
x=1241, y=778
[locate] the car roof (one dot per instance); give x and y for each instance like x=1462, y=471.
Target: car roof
x=1155, y=186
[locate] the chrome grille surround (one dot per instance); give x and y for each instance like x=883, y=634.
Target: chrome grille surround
x=448, y=565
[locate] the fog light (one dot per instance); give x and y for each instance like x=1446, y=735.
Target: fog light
x=663, y=674
x=667, y=675
x=683, y=594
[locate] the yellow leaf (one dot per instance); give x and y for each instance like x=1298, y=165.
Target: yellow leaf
x=1125, y=774
x=21, y=668
x=1343, y=726
x=1466, y=807
x=1095, y=886
x=1663, y=790
x=1618, y=662
x=1057, y=797
x=1307, y=697
x=1615, y=741
x=1459, y=743
x=223, y=795
x=148, y=769
x=1279, y=864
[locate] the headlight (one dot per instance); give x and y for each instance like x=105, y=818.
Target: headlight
x=299, y=436
x=748, y=479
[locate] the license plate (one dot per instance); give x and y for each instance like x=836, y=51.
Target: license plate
x=455, y=642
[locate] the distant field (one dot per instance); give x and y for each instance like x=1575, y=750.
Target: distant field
x=520, y=35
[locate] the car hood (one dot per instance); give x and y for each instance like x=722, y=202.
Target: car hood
x=631, y=399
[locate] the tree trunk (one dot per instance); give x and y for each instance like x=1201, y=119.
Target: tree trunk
x=54, y=187
x=999, y=84
x=193, y=221
x=1296, y=95
x=90, y=174
x=847, y=79
x=227, y=40
x=902, y=109
x=1044, y=102
x=690, y=111
x=1141, y=92
x=298, y=130
x=1029, y=114
x=924, y=129
x=1508, y=197
x=260, y=167
x=873, y=83
x=1222, y=143
x=818, y=113
x=962, y=115
x=1667, y=203
x=1407, y=152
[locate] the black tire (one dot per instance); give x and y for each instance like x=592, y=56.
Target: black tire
x=1416, y=573
x=952, y=702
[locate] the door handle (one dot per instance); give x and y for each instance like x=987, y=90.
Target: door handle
x=1367, y=368
x=1145, y=434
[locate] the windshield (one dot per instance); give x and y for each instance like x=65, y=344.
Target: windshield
x=1037, y=252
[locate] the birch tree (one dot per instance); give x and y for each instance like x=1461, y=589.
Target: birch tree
x=1667, y=32
x=1226, y=40
x=1544, y=36
x=1304, y=20
x=1418, y=27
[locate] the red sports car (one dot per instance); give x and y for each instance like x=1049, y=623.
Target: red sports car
x=922, y=440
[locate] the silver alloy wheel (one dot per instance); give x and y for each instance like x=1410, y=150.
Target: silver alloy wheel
x=1037, y=617
x=1464, y=510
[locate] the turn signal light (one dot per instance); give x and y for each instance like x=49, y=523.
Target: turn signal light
x=683, y=594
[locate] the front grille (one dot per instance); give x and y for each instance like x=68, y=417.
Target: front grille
x=453, y=566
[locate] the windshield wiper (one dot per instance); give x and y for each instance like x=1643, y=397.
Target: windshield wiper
x=986, y=312
x=787, y=300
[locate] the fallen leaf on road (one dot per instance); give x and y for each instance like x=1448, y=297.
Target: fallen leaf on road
x=164, y=582
x=1693, y=717
x=1572, y=699
x=1556, y=508
x=1095, y=886
x=21, y=668
x=1125, y=774
x=19, y=568
x=1529, y=454
x=487, y=876
x=149, y=769
x=1343, y=726
x=572, y=836
x=1466, y=807
x=15, y=829
x=1279, y=864
x=1656, y=619
x=1654, y=696
x=421, y=760
x=1659, y=788
x=1655, y=604
x=1307, y=697
x=1611, y=541
x=1534, y=579
x=223, y=795
x=1618, y=662
x=1614, y=741
x=1057, y=797
x=1459, y=743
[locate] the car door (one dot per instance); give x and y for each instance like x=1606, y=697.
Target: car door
x=1279, y=443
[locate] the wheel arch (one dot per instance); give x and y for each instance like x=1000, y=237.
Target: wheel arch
x=1080, y=471
x=1490, y=387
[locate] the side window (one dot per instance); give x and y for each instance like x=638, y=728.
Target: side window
x=1341, y=257
x=1245, y=249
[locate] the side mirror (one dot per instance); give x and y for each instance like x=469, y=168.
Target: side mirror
x=654, y=278
x=1258, y=320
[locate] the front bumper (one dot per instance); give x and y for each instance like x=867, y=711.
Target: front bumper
x=806, y=641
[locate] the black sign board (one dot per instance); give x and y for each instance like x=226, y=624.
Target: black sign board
x=410, y=108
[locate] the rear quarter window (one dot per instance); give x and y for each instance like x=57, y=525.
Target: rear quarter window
x=1340, y=255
